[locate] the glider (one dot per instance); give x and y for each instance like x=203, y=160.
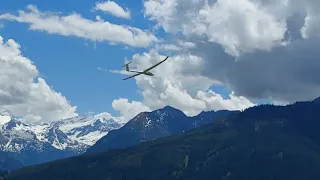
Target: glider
x=145, y=72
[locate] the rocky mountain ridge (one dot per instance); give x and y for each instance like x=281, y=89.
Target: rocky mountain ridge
x=148, y=126
x=38, y=143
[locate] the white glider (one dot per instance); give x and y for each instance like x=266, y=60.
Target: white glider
x=145, y=72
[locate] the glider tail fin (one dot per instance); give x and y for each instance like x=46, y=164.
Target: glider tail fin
x=127, y=66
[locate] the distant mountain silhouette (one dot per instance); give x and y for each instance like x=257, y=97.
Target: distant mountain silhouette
x=149, y=126
x=261, y=143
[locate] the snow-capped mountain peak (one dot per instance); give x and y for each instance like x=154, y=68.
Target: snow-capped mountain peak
x=5, y=117
x=4, y=113
x=63, y=138
x=89, y=129
x=147, y=126
x=76, y=132
x=103, y=116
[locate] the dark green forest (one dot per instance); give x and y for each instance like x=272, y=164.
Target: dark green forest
x=265, y=142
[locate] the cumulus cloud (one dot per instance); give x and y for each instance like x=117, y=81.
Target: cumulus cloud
x=176, y=46
x=75, y=25
x=24, y=93
x=128, y=110
x=113, y=8
x=259, y=49
x=178, y=82
x=168, y=47
x=216, y=101
x=239, y=26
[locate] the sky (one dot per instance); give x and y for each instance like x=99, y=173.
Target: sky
x=59, y=60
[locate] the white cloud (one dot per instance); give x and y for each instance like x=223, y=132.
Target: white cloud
x=243, y=29
x=24, y=93
x=216, y=101
x=177, y=46
x=258, y=48
x=128, y=110
x=256, y=33
x=168, y=47
x=103, y=115
x=239, y=26
x=273, y=61
x=102, y=69
x=312, y=22
x=178, y=83
x=113, y=8
x=76, y=25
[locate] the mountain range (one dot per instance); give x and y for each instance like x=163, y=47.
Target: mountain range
x=263, y=142
x=148, y=126
x=38, y=143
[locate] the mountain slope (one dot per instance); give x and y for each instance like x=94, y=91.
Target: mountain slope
x=88, y=129
x=34, y=144
x=22, y=143
x=265, y=142
x=8, y=163
x=149, y=126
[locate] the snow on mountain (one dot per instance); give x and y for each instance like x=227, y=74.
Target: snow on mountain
x=5, y=117
x=40, y=143
x=18, y=136
x=88, y=129
x=148, y=126
x=73, y=134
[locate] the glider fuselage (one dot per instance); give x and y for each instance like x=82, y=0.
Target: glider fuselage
x=144, y=72
x=148, y=73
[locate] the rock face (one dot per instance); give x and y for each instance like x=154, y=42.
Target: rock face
x=39, y=143
x=149, y=126
x=264, y=142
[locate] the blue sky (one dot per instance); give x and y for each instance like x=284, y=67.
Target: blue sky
x=69, y=64
x=67, y=57
x=223, y=55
